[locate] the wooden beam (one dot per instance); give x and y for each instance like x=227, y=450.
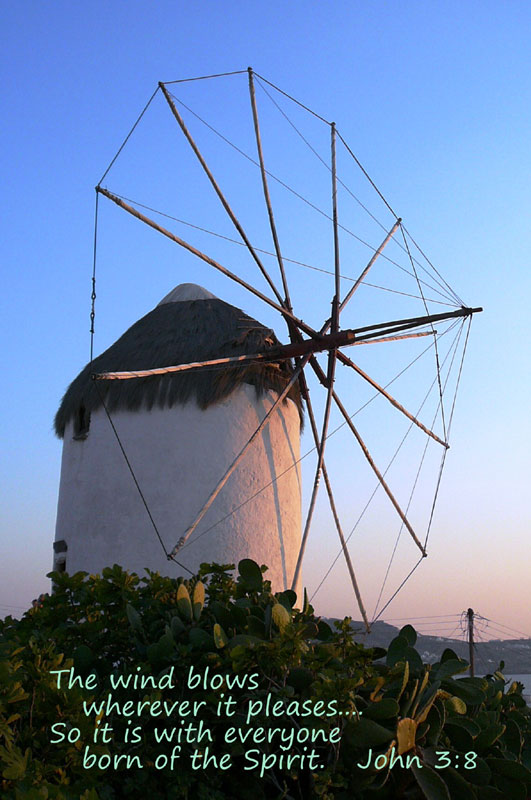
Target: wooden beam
x=378, y=474
x=272, y=354
x=335, y=303
x=287, y=300
x=191, y=249
x=369, y=265
x=332, y=354
x=221, y=483
x=353, y=580
x=218, y=191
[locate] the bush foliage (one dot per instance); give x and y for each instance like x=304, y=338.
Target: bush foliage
x=391, y=703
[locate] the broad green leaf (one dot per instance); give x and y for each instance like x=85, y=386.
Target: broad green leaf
x=400, y=650
x=481, y=774
x=255, y=626
x=428, y=698
x=220, y=637
x=288, y=598
x=200, y=638
x=449, y=667
x=324, y=631
x=459, y=737
x=435, y=719
x=511, y=769
x=134, y=618
x=510, y=788
x=448, y=655
x=281, y=617
x=177, y=626
x=457, y=783
x=468, y=724
x=488, y=736
x=251, y=574
x=512, y=738
x=396, y=650
x=409, y=633
x=198, y=599
x=405, y=734
x=455, y=704
x=365, y=733
x=183, y=603
x=491, y=793
x=432, y=785
x=83, y=659
x=472, y=694
x=222, y=614
x=385, y=709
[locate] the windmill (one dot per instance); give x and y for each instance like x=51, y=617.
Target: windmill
x=329, y=337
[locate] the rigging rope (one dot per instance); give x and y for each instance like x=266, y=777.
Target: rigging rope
x=93, y=293
x=206, y=77
x=458, y=299
x=138, y=204
x=312, y=449
x=449, y=428
x=136, y=481
x=456, y=342
x=299, y=196
x=399, y=588
x=260, y=78
x=436, y=348
x=387, y=468
x=349, y=191
x=293, y=99
x=128, y=136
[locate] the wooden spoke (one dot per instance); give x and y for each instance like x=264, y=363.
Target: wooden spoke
x=392, y=400
x=306, y=395
x=335, y=303
x=396, y=338
x=330, y=378
x=369, y=265
x=411, y=322
x=283, y=352
x=218, y=191
x=191, y=249
x=221, y=483
x=287, y=300
x=322, y=378
x=378, y=474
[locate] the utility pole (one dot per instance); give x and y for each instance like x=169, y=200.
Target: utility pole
x=470, y=615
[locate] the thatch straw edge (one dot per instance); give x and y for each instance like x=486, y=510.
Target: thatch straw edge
x=177, y=333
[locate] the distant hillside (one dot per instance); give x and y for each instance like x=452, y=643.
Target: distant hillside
x=516, y=653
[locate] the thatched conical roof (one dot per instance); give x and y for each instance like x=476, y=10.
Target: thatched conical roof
x=189, y=324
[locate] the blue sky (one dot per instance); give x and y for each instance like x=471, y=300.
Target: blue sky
x=434, y=100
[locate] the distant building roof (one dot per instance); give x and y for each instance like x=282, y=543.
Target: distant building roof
x=189, y=324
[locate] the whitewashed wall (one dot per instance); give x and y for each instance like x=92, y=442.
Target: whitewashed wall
x=178, y=456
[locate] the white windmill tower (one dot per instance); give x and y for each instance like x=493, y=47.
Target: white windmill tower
x=179, y=432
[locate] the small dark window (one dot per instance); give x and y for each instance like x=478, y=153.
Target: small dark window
x=60, y=548
x=81, y=423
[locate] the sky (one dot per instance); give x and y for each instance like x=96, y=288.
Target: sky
x=434, y=100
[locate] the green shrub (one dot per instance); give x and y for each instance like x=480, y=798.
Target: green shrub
x=458, y=737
